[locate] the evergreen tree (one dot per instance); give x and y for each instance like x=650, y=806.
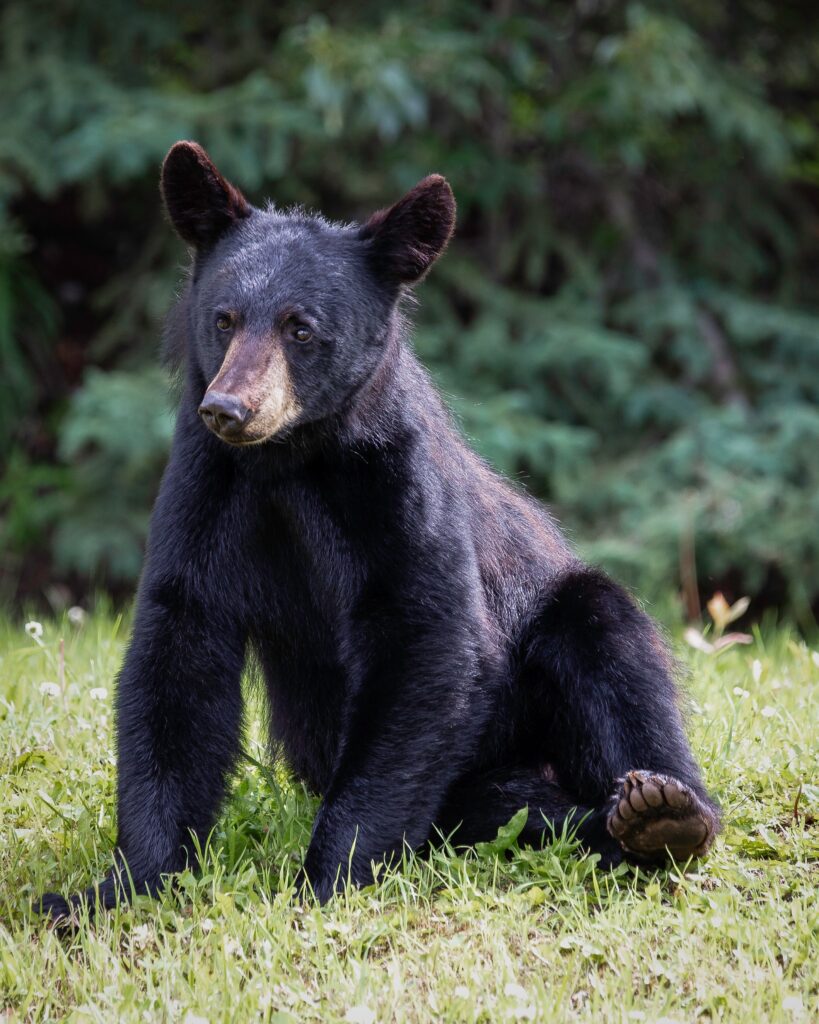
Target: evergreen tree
x=627, y=321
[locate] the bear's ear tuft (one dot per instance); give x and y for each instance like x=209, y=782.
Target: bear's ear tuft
x=407, y=238
x=201, y=204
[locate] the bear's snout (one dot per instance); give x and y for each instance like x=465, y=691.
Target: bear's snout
x=225, y=415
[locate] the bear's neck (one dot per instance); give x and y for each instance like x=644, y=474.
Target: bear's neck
x=396, y=401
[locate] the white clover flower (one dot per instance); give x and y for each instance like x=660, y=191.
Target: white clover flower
x=793, y=1004
x=34, y=629
x=141, y=936
x=514, y=991
x=739, y=692
x=76, y=616
x=768, y=711
x=51, y=689
x=98, y=693
x=360, y=1015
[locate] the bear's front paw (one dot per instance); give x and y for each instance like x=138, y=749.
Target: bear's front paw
x=63, y=914
x=320, y=885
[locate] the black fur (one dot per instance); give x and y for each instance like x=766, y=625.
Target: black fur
x=434, y=652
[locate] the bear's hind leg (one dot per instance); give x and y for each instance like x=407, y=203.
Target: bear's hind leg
x=478, y=804
x=597, y=680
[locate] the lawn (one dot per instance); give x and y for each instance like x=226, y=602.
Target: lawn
x=493, y=935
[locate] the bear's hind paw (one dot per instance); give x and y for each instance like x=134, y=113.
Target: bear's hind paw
x=655, y=815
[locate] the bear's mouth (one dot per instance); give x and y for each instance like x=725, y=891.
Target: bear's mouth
x=246, y=442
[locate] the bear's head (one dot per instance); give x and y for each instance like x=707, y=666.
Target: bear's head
x=286, y=315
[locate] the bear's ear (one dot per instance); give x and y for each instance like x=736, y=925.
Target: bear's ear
x=407, y=238
x=201, y=204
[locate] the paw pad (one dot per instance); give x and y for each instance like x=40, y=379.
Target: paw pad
x=657, y=814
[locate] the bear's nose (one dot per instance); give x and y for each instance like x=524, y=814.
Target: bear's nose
x=225, y=415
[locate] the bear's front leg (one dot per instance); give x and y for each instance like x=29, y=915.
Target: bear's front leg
x=179, y=713
x=413, y=727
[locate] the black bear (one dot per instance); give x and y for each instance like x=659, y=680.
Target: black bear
x=435, y=655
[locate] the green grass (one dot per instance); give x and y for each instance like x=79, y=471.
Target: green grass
x=528, y=935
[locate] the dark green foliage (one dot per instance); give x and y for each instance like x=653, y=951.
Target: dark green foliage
x=116, y=452
x=627, y=319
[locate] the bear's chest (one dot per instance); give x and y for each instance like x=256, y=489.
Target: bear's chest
x=303, y=579
x=303, y=567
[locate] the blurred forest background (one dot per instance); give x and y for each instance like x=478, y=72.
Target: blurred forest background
x=627, y=321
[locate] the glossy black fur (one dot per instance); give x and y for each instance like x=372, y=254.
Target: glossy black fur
x=434, y=652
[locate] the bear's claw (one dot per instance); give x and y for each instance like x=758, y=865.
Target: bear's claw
x=655, y=815
x=63, y=915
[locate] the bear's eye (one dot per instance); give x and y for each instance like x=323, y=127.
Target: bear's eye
x=302, y=333
x=224, y=322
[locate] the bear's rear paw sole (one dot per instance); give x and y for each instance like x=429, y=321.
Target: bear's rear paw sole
x=656, y=815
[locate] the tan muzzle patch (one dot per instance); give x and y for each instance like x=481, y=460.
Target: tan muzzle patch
x=255, y=372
